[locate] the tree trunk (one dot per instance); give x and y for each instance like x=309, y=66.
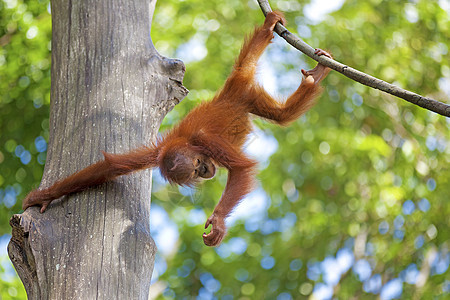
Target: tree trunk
x=110, y=91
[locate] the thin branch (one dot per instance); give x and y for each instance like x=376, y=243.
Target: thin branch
x=363, y=78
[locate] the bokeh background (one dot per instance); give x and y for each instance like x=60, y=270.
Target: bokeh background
x=353, y=199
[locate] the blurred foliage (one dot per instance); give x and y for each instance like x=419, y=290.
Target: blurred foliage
x=10, y=285
x=357, y=192
x=25, y=33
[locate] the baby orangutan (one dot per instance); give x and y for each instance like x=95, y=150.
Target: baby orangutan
x=210, y=136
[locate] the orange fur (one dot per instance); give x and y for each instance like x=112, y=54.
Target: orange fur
x=212, y=134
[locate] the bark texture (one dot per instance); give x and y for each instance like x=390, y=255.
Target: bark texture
x=110, y=91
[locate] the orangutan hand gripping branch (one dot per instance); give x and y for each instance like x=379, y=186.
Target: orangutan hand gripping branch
x=210, y=136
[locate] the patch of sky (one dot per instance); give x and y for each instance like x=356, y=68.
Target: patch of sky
x=398, y=224
x=330, y=270
x=274, y=284
x=317, y=10
x=373, y=284
x=431, y=143
x=399, y=234
x=169, y=293
x=261, y=146
x=252, y=209
x=357, y=99
x=392, y=289
x=345, y=259
x=441, y=263
x=411, y=13
x=267, y=262
x=193, y=50
x=183, y=271
x=196, y=217
x=419, y=241
x=362, y=269
x=40, y=144
x=410, y=274
x=399, y=221
x=288, y=221
x=187, y=191
x=284, y=296
x=163, y=230
x=269, y=226
x=203, y=294
x=322, y=291
x=295, y=264
x=9, y=196
x=431, y=184
x=209, y=282
x=158, y=181
x=23, y=155
x=314, y=271
x=349, y=243
x=383, y=228
x=160, y=267
x=227, y=297
x=446, y=286
x=370, y=249
x=242, y=275
x=236, y=245
x=8, y=274
x=445, y=5
x=268, y=78
x=348, y=107
x=408, y=207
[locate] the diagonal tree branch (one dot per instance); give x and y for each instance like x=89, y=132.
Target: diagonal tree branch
x=363, y=78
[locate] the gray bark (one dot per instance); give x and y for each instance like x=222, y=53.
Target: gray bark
x=110, y=91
